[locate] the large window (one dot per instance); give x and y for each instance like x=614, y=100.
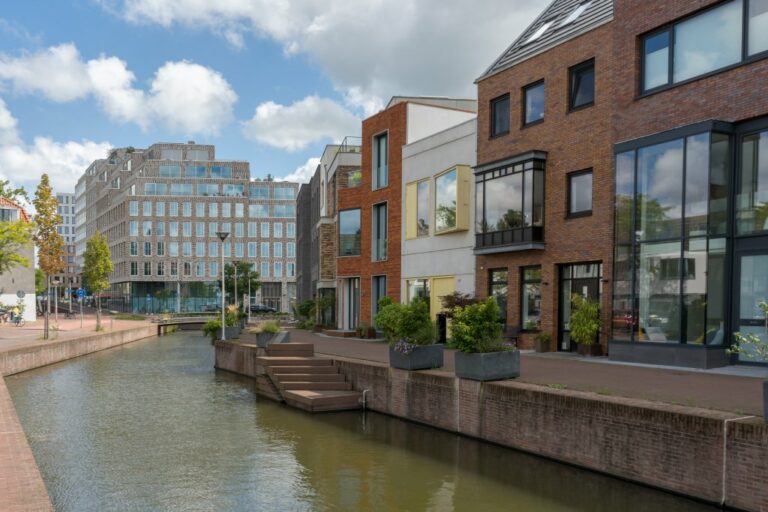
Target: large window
x=530, y=298
x=709, y=41
x=170, y=171
x=533, y=103
x=498, y=280
x=669, y=263
x=582, y=85
x=380, y=161
x=378, y=292
x=509, y=203
x=580, y=193
x=752, y=200
x=445, y=201
x=282, y=193
x=156, y=189
x=194, y=171
x=208, y=189
x=500, y=115
x=379, y=232
x=221, y=171
x=349, y=232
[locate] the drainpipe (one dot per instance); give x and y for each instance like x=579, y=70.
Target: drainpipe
x=725, y=452
x=365, y=402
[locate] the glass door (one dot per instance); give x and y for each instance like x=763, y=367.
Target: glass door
x=352, y=302
x=584, y=279
x=753, y=290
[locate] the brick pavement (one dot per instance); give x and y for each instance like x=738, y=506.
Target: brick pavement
x=708, y=389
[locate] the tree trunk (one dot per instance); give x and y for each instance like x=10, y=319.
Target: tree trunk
x=47, y=306
x=98, y=312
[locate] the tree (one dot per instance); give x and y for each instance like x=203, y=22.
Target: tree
x=39, y=282
x=97, y=265
x=50, y=244
x=13, y=236
x=18, y=195
x=244, y=274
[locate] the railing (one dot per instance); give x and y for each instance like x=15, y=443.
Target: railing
x=509, y=237
x=351, y=145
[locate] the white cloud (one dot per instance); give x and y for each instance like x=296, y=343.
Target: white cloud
x=187, y=98
x=295, y=126
x=371, y=51
x=23, y=164
x=303, y=173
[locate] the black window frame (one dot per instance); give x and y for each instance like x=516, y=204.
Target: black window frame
x=575, y=174
x=669, y=29
x=572, y=74
x=524, y=109
x=503, y=315
x=492, y=117
x=524, y=281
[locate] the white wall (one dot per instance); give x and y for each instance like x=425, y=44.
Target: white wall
x=10, y=299
x=426, y=120
x=448, y=254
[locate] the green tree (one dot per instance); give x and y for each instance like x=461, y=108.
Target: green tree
x=244, y=274
x=14, y=235
x=50, y=244
x=97, y=265
x=445, y=216
x=18, y=195
x=39, y=282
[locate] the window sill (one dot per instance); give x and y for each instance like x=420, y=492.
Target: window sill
x=579, y=215
x=450, y=231
x=581, y=107
x=498, y=135
x=532, y=123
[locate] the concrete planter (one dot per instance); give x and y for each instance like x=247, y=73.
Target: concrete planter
x=263, y=339
x=765, y=401
x=231, y=332
x=488, y=365
x=423, y=357
x=593, y=350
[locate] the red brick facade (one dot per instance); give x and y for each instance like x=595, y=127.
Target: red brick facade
x=394, y=121
x=573, y=141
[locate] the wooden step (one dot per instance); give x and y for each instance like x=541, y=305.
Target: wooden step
x=309, y=377
x=321, y=401
x=315, y=386
x=291, y=350
x=284, y=370
x=293, y=361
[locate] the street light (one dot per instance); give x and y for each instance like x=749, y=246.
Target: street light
x=249, y=292
x=234, y=264
x=222, y=236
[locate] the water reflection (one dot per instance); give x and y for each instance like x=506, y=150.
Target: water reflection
x=150, y=426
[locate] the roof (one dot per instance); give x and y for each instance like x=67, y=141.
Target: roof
x=22, y=212
x=469, y=105
x=561, y=21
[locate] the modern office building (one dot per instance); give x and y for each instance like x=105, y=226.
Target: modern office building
x=18, y=283
x=544, y=174
x=438, y=212
x=69, y=277
x=691, y=178
x=369, y=214
x=161, y=209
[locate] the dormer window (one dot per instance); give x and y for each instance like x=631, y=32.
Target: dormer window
x=539, y=32
x=578, y=11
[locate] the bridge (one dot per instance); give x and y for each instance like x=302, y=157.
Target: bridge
x=185, y=323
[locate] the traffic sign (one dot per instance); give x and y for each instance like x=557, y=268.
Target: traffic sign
x=20, y=294
x=80, y=293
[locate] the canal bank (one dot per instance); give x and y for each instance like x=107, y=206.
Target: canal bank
x=718, y=457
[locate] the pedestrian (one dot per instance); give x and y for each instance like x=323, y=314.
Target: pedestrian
x=14, y=313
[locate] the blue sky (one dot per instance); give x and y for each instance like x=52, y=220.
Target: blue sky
x=89, y=74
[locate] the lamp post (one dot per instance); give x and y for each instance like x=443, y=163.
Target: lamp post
x=234, y=264
x=249, y=293
x=222, y=236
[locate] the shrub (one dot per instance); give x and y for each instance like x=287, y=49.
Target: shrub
x=270, y=327
x=409, y=323
x=456, y=300
x=585, y=320
x=476, y=327
x=211, y=329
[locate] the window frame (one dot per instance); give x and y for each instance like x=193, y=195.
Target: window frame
x=376, y=230
x=669, y=29
x=434, y=204
x=338, y=235
x=375, y=185
x=585, y=213
x=523, y=110
x=492, y=117
x=572, y=72
x=523, y=282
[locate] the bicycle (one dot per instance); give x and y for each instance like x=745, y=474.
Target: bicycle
x=18, y=321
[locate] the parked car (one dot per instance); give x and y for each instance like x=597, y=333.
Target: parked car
x=212, y=307
x=262, y=308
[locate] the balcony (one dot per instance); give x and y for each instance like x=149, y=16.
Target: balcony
x=510, y=240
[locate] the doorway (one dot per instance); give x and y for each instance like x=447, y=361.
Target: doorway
x=752, y=280
x=350, y=311
x=586, y=279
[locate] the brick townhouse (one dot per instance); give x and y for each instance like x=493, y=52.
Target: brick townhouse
x=544, y=174
x=369, y=226
x=690, y=130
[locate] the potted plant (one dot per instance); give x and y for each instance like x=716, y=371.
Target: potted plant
x=753, y=347
x=266, y=333
x=212, y=328
x=585, y=325
x=411, y=335
x=476, y=333
x=542, y=341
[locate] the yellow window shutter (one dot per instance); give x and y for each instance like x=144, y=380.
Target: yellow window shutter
x=463, y=181
x=410, y=210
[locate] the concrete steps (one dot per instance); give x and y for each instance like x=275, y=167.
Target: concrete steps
x=307, y=382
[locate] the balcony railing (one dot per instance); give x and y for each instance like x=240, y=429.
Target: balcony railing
x=351, y=145
x=509, y=237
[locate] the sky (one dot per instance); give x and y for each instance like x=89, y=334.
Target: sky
x=267, y=81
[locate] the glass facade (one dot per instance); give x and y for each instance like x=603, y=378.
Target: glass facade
x=671, y=218
x=445, y=201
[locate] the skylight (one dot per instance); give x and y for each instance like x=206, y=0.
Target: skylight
x=538, y=32
x=576, y=13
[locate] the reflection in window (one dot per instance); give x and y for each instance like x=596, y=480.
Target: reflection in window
x=418, y=288
x=582, y=85
x=531, y=298
x=656, y=60
x=497, y=288
x=758, y=26
x=500, y=115
x=170, y=171
x=660, y=190
x=752, y=202
x=422, y=208
x=380, y=160
x=445, y=201
x=580, y=193
x=534, y=103
x=379, y=232
x=349, y=232
x=221, y=171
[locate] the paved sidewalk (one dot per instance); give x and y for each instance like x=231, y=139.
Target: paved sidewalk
x=31, y=333
x=708, y=389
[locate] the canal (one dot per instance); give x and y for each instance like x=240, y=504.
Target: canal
x=151, y=426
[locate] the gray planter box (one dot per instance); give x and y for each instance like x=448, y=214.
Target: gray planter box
x=423, y=357
x=488, y=365
x=231, y=332
x=765, y=401
x=263, y=339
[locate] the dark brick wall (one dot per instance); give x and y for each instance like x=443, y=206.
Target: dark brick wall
x=304, y=244
x=574, y=141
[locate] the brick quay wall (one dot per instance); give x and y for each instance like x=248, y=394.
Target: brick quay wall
x=674, y=448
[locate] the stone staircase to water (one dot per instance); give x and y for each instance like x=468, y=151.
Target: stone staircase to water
x=306, y=381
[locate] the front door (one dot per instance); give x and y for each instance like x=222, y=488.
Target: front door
x=584, y=279
x=753, y=291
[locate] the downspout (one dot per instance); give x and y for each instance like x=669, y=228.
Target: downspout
x=725, y=453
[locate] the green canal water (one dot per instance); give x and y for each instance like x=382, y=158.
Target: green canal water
x=151, y=426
